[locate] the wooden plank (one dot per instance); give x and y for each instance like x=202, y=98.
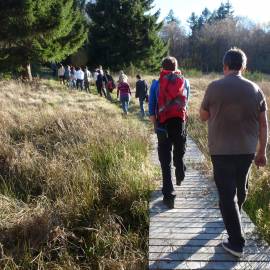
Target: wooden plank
x=198, y=243
x=178, y=255
x=193, y=230
x=187, y=236
x=252, y=249
x=155, y=218
x=231, y=265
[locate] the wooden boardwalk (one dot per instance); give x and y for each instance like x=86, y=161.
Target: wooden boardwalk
x=189, y=236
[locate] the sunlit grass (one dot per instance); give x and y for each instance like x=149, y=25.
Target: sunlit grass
x=74, y=181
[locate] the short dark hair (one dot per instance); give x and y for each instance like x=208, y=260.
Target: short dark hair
x=138, y=77
x=169, y=63
x=235, y=59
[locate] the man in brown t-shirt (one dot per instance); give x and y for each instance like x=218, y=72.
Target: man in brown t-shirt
x=235, y=109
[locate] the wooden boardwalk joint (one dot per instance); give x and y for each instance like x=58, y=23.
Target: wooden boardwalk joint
x=190, y=235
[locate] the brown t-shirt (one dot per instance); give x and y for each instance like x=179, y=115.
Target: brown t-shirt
x=234, y=104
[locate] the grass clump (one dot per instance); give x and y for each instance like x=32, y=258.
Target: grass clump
x=74, y=181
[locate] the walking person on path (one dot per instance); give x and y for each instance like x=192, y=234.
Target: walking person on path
x=235, y=109
x=79, y=74
x=109, y=84
x=125, y=95
x=141, y=92
x=167, y=109
x=100, y=84
x=61, y=74
x=87, y=79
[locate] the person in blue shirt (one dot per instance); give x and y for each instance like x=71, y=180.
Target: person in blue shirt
x=170, y=135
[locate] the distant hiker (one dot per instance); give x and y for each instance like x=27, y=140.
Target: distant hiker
x=167, y=109
x=79, y=74
x=122, y=77
x=67, y=74
x=100, y=84
x=235, y=109
x=125, y=95
x=141, y=92
x=109, y=84
x=72, y=82
x=95, y=74
x=61, y=73
x=87, y=79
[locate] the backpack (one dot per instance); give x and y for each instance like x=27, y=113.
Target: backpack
x=171, y=98
x=110, y=85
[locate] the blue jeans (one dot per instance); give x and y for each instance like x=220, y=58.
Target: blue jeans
x=125, y=103
x=141, y=100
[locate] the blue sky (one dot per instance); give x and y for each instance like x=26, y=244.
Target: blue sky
x=257, y=11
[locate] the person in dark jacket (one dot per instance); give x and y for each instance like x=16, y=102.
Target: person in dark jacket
x=141, y=92
x=100, y=83
x=109, y=84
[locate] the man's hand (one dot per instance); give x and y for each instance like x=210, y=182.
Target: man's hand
x=153, y=120
x=260, y=159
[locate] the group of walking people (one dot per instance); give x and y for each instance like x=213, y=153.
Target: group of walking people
x=105, y=85
x=81, y=79
x=75, y=77
x=235, y=109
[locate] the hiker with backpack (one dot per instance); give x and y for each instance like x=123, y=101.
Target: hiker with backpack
x=109, y=84
x=236, y=111
x=168, y=113
x=125, y=94
x=141, y=92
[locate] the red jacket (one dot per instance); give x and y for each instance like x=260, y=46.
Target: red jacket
x=171, y=100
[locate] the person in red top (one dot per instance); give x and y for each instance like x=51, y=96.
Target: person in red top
x=125, y=95
x=169, y=118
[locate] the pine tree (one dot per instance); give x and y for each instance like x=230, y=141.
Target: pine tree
x=171, y=18
x=123, y=33
x=39, y=31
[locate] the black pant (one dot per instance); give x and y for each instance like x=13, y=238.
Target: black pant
x=79, y=83
x=172, y=133
x=87, y=86
x=231, y=178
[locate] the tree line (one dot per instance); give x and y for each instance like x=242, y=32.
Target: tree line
x=211, y=34
x=122, y=33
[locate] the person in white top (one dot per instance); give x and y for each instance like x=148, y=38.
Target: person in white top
x=61, y=74
x=79, y=74
x=87, y=79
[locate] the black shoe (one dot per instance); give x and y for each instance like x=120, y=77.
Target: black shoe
x=235, y=251
x=169, y=201
x=180, y=175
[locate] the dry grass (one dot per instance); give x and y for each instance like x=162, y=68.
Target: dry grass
x=74, y=181
x=258, y=202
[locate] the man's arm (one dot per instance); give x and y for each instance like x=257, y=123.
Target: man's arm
x=204, y=115
x=260, y=158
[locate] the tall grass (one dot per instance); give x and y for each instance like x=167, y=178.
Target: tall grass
x=258, y=201
x=74, y=181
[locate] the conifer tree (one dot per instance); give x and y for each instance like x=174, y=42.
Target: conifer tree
x=123, y=33
x=38, y=30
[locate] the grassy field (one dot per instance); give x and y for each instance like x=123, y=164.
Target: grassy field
x=258, y=202
x=75, y=178
x=74, y=181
